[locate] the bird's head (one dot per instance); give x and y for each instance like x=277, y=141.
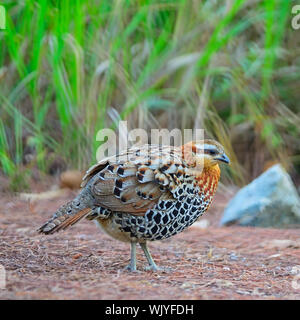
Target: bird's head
x=206, y=153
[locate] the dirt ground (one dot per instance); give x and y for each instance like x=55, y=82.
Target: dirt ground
x=204, y=262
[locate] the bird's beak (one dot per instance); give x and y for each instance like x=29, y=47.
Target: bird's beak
x=223, y=158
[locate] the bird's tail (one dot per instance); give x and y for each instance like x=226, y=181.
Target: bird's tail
x=68, y=214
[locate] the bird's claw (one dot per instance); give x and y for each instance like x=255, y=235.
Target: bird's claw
x=155, y=268
x=130, y=268
x=152, y=268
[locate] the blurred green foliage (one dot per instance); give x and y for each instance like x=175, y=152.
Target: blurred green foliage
x=70, y=68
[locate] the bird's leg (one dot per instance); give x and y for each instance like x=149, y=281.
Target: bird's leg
x=132, y=264
x=152, y=264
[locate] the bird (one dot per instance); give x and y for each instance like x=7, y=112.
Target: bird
x=145, y=193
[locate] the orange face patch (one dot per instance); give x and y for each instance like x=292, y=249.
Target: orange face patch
x=208, y=180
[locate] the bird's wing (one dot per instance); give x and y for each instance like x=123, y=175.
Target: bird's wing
x=136, y=179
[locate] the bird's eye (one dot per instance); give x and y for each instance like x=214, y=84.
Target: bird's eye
x=211, y=152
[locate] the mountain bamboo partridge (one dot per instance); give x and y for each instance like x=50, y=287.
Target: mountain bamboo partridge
x=146, y=193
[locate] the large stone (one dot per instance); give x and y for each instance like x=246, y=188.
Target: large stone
x=271, y=200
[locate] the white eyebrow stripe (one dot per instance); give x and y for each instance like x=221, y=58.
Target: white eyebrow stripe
x=206, y=146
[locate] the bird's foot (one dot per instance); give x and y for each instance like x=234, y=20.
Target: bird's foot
x=130, y=268
x=155, y=268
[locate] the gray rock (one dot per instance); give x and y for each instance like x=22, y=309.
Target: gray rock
x=271, y=200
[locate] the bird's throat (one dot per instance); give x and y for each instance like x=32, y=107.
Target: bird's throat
x=208, y=180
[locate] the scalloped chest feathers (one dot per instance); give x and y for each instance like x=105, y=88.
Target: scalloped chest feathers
x=168, y=217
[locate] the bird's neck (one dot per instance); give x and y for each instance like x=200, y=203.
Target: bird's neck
x=208, y=179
